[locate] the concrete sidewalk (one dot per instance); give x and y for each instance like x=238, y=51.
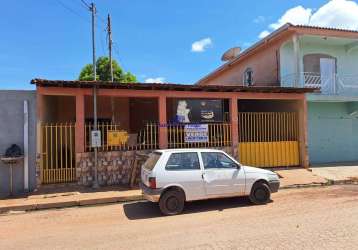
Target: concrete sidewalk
x=338, y=172
x=68, y=199
x=293, y=178
x=68, y=196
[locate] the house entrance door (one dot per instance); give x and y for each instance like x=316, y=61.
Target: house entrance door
x=57, y=143
x=328, y=75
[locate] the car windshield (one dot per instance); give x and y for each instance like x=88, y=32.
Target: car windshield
x=152, y=160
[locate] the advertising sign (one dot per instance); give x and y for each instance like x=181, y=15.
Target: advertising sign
x=117, y=138
x=199, y=110
x=196, y=133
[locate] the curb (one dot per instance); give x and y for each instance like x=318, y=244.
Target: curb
x=66, y=204
x=322, y=184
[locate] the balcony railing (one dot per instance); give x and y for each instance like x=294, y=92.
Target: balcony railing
x=333, y=84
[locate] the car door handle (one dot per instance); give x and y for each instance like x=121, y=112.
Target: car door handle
x=202, y=176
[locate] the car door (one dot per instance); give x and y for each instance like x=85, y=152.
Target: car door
x=183, y=169
x=222, y=175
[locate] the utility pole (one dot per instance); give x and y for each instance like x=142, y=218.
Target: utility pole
x=110, y=45
x=93, y=10
x=109, y=30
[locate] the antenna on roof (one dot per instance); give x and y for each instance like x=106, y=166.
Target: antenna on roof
x=231, y=54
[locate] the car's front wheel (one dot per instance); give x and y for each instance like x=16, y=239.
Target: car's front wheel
x=260, y=193
x=172, y=202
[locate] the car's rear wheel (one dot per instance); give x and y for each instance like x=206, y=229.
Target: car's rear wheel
x=260, y=193
x=172, y=202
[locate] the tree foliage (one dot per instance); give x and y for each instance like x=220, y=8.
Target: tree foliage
x=103, y=72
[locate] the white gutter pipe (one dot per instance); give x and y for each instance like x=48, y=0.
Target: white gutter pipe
x=26, y=145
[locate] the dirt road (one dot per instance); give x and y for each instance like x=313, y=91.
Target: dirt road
x=316, y=218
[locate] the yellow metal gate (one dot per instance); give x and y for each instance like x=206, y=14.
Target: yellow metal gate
x=269, y=139
x=58, y=153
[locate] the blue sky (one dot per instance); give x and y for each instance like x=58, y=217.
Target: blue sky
x=153, y=38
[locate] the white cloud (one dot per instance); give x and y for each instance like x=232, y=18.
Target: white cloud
x=338, y=14
x=335, y=14
x=155, y=80
x=296, y=15
x=264, y=33
x=259, y=19
x=201, y=45
x=246, y=44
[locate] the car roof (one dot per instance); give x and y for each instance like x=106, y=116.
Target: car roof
x=182, y=150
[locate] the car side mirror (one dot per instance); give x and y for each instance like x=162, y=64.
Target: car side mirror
x=238, y=166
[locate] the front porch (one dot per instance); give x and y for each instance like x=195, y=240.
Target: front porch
x=135, y=120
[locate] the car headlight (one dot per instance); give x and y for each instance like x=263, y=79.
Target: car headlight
x=273, y=177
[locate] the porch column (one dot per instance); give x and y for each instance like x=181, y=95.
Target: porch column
x=163, y=137
x=303, y=133
x=80, y=124
x=40, y=105
x=296, y=60
x=234, y=123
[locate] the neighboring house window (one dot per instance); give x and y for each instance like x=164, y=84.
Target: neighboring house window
x=248, y=77
x=183, y=161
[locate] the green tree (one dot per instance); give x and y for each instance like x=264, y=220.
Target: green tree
x=104, y=72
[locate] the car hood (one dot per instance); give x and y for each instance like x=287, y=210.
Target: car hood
x=249, y=169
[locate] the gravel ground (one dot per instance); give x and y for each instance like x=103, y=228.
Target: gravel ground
x=310, y=218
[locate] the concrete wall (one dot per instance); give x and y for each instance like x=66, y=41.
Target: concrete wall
x=333, y=133
x=12, y=132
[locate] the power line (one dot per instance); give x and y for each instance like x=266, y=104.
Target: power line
x=72, y=11
x=86, y=4
x=102, y=25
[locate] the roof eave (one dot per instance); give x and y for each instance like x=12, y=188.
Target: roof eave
x=169, y=87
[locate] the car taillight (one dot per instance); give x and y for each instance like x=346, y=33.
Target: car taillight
x=152, y=182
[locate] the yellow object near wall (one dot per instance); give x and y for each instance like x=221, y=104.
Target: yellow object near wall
x=269, y=154
x=116, y=138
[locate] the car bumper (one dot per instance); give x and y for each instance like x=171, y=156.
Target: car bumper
x=274, y=186
x=150, y=194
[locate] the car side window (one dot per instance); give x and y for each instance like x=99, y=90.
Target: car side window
x=183, y=161
x=217, y=160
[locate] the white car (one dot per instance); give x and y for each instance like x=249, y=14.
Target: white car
x=174, y=176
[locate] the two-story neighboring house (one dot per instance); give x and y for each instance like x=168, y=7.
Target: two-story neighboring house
x=305, y=56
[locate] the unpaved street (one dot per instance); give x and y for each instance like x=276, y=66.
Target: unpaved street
x=315, y=218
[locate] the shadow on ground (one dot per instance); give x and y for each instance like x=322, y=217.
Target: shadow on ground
x=145, y=209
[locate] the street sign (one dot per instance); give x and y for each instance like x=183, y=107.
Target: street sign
x=95, y=138
x=196, y=133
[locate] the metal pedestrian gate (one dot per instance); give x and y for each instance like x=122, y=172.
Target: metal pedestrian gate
x=57, y=152
x=269, y=139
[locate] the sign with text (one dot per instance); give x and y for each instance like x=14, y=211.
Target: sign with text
x=117, y=138
x=196, y=133
x=96, y=139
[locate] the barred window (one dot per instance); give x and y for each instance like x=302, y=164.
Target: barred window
x=248, y=77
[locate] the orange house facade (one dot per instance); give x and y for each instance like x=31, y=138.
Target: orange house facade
x=261, y=126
